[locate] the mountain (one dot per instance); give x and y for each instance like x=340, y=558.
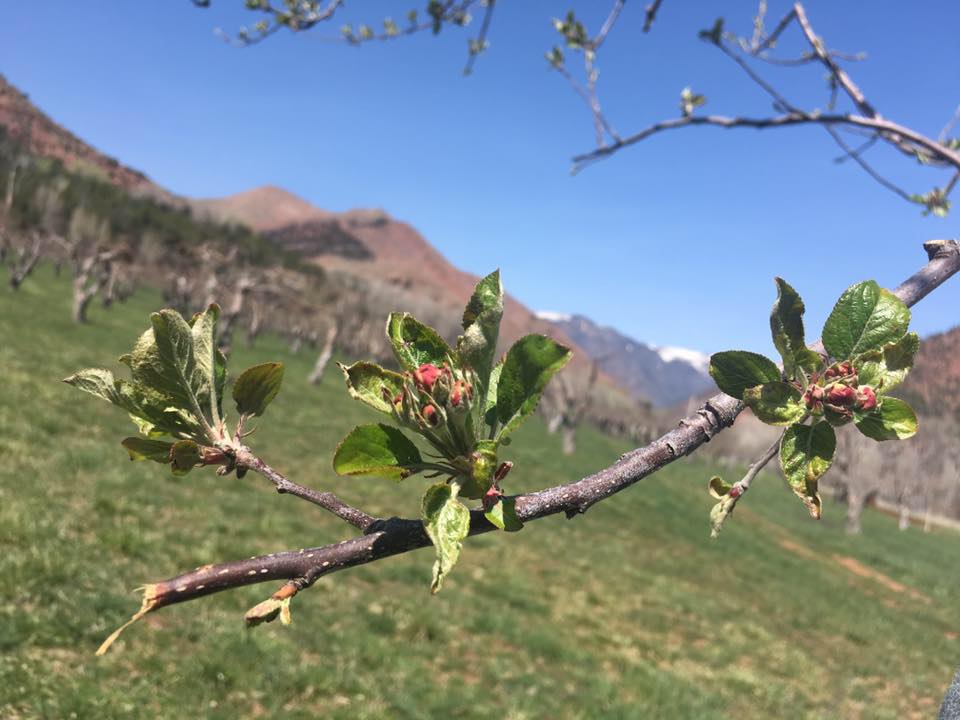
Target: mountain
x=933, y=386
x=396, y=266
x=41, y=136
x=664, y=376
x=263, y=208
x=371, y=244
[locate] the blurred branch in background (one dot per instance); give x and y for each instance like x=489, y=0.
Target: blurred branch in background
x=861, y=120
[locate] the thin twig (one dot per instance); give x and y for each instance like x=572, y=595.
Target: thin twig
x=857, y=156
x=759, y=464
x=608, y=24
x=948, y=128
x=859, y=150
x=478, y=45
x=650, y=14
x=947, y=155
x=327, y=500
x=853, y=92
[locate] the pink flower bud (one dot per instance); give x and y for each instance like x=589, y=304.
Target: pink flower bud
x=866, y=398
x=456, y=394
x=736, y=491
x=430, y=414
x=841, y=395
x=491, y=497
x=426, y=376
x=813, y=397
x=837, y=371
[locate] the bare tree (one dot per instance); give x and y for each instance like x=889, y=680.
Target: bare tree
x=6, y=213
x=567, y=407
x=323, y=359
x=90, y=254
x=26, y=247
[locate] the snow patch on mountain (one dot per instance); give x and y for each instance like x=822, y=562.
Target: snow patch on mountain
x=699, y=360
x=554, y=317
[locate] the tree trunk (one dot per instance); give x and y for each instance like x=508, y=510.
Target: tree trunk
x=904, y=517
x=25, y=264
x=555, y=423
x=256, y=324
x=855, y=504
x=325, y=354
x=81, y=300
x=569, y=440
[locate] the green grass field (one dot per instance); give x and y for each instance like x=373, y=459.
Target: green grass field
x=629, y=611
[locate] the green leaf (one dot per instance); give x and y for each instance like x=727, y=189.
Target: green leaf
x=481, y=328
x=152, y=412
x=155, y=413
x=447, y=522
x=98, y=382
x=415, y=343
x=504, y=514
x=490, y=404
x=786, y=326
x=718, y=487
x=184, y=456
x=366, y=382
x=163, y=364
x=378, y=450
x=173, y=340
x=893, y=419
x=775, y=403
x=529, y=365
x=866, y=317
x=256, y=388
x=884, y=369
x=736, y=370
x=145, y=449
x=204, y=331
x=806, y=453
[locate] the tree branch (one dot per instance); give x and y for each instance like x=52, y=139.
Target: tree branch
x=382, y=539
x=945, y=154
x=849, y=87
x=326, y=500
x=650, y=14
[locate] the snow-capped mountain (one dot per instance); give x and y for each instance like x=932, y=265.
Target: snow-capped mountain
x=662, y=375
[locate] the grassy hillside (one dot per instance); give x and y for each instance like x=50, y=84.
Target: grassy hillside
x=626, y=612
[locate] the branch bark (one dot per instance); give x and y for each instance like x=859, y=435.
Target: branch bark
x=941, y=152
x=385, y=538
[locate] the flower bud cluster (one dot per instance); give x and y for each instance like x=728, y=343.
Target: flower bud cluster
x=432, y=395
x=838, y=393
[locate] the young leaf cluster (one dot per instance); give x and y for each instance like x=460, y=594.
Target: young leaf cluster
x=175, y=394
x=868, y=353
x=461, y=403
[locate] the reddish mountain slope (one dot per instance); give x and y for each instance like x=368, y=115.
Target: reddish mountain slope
x=365, y=243
x=933, y=386
x=401, y=257
x=42, y=136
x=263, y=208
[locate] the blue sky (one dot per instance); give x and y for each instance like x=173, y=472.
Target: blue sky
x=675, y=241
